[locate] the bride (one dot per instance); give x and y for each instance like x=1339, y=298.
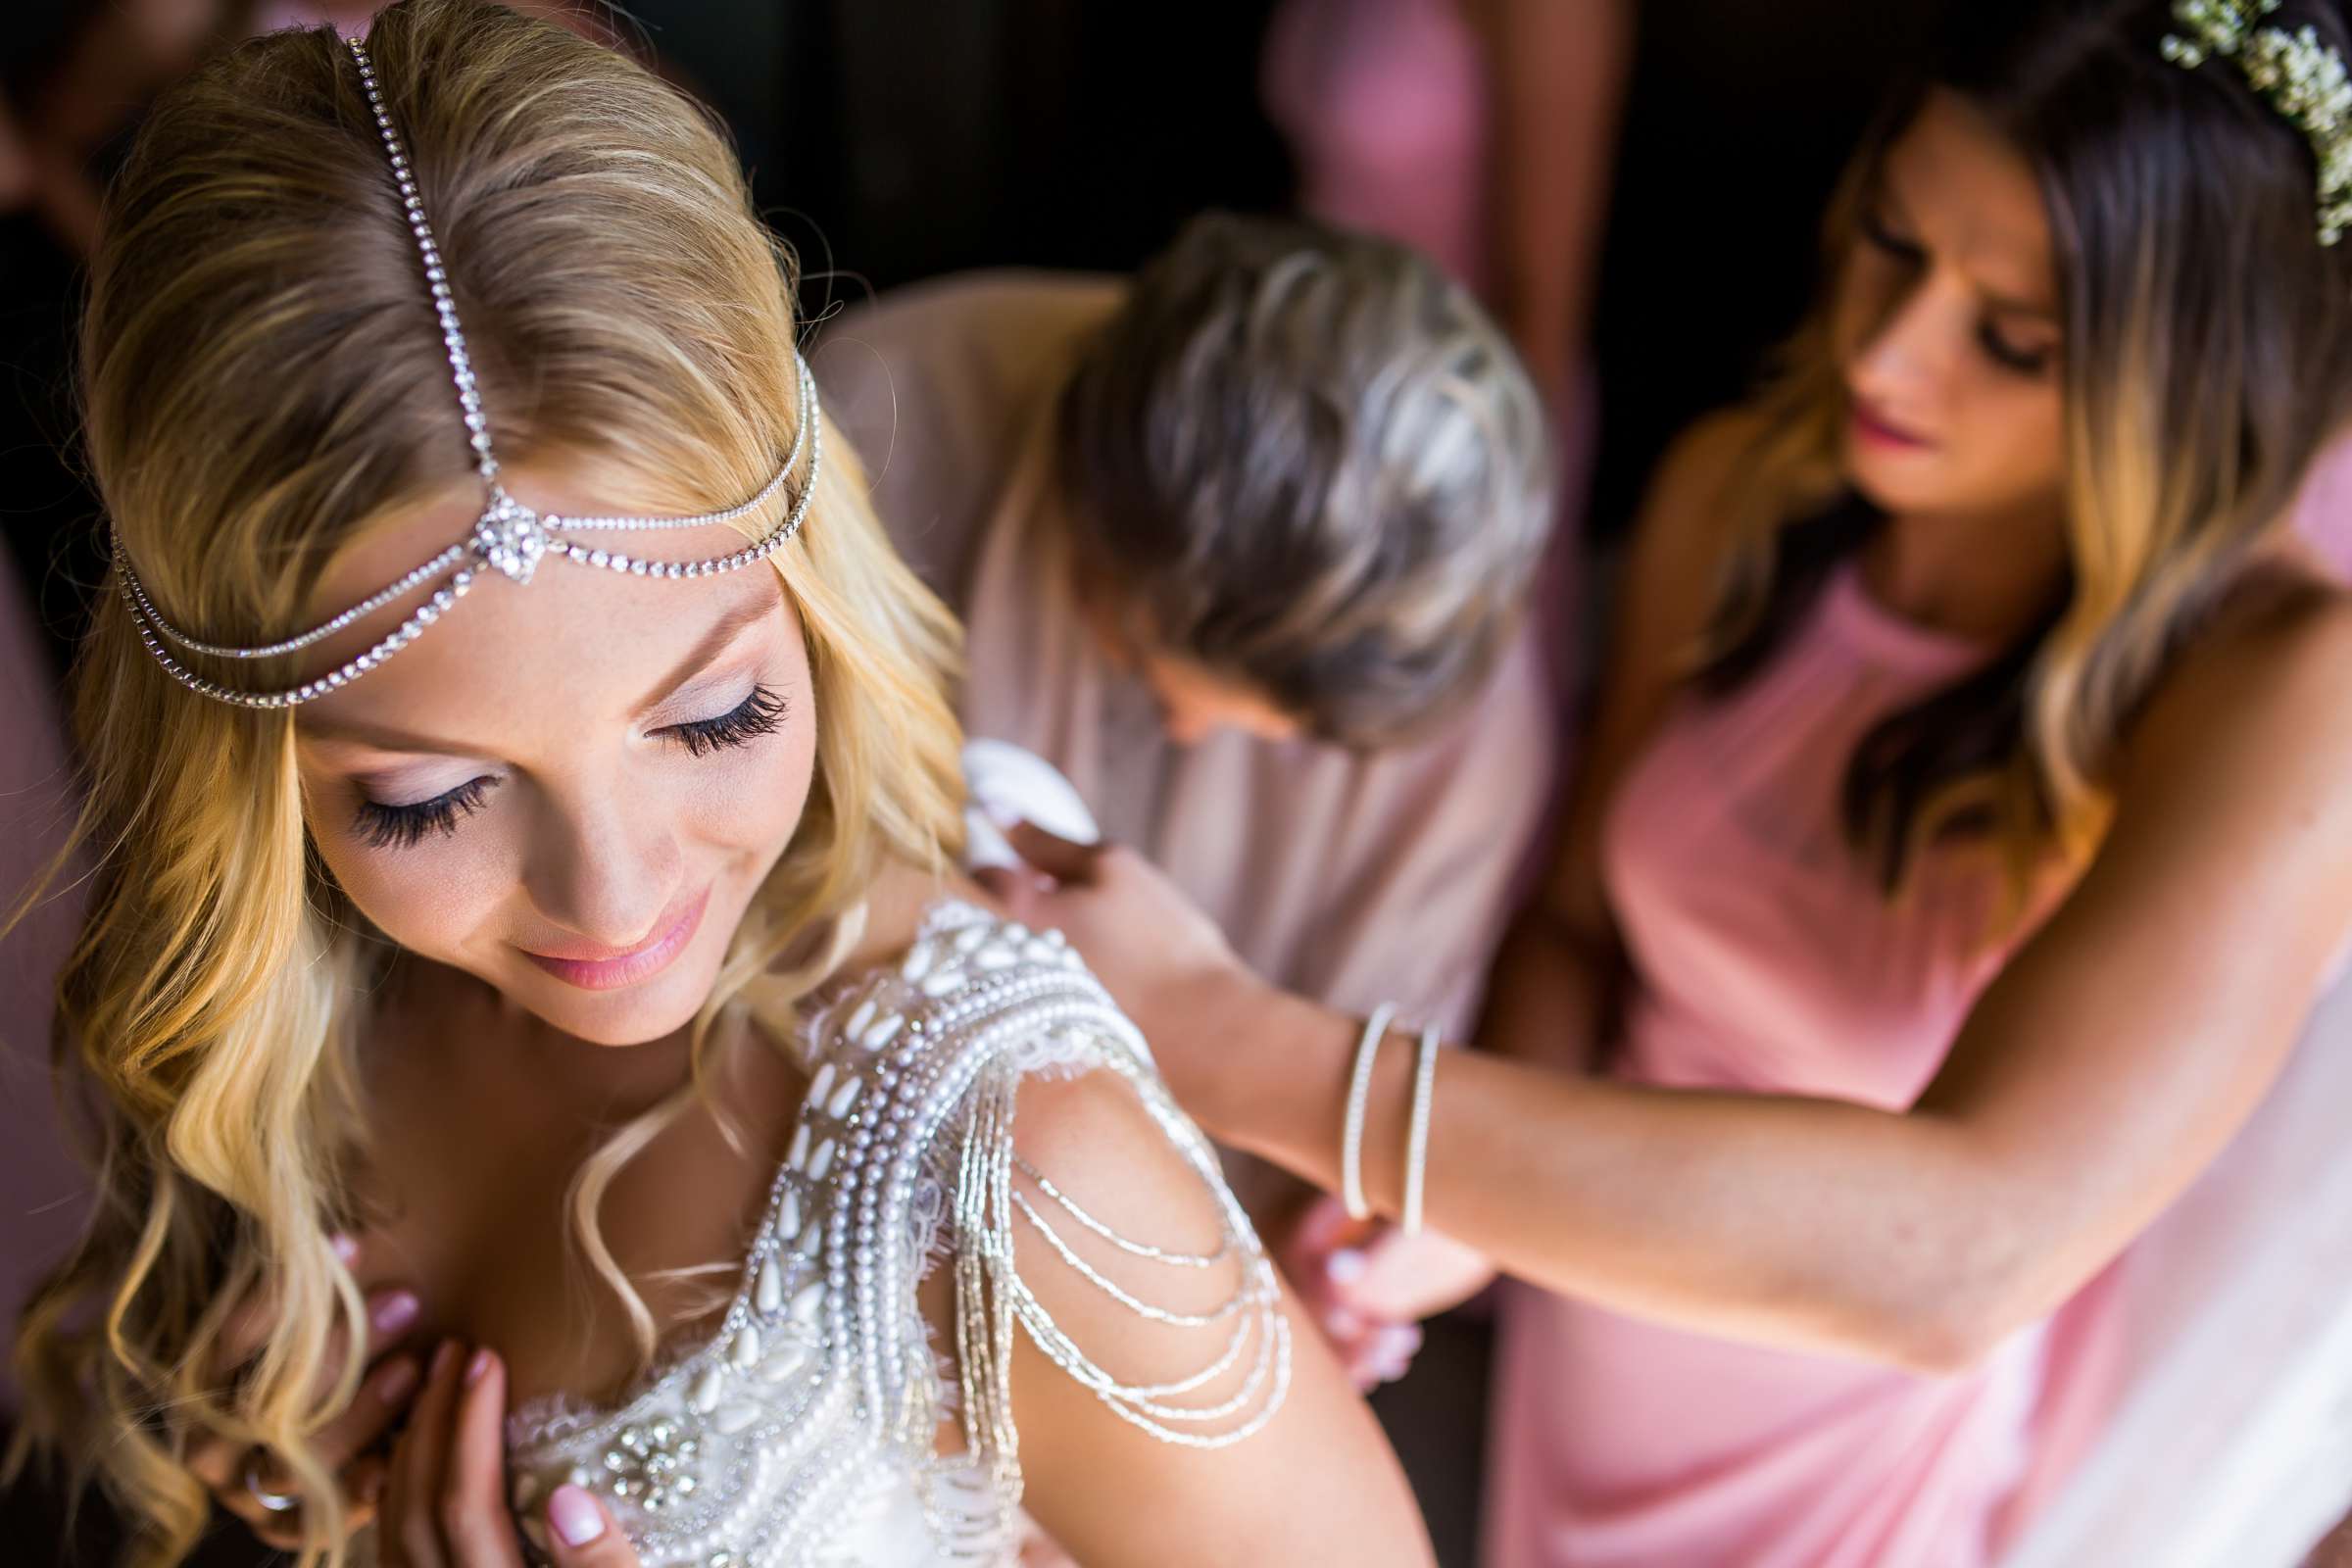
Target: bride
x=522, y=797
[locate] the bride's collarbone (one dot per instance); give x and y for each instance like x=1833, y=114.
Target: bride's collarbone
x=478, y=1219
x=478, y=1139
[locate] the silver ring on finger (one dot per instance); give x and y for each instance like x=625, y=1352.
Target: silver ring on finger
x=272, y=1501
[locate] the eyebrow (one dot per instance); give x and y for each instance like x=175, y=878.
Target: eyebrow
x=2015, y=307
x=2008, y=304
x=714, y=641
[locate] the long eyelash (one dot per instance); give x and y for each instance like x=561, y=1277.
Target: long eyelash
x=1876, y=231
x=758, y=714
x=2003, y=354
x=405, y=827
x=400, y=827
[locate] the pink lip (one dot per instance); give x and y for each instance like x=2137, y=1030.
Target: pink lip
x=1874, y=428
x=613, y=970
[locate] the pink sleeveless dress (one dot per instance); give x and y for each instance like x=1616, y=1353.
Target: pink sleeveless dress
x=1767, y=963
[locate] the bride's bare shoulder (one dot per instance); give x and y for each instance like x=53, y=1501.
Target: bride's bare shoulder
x=895, y=905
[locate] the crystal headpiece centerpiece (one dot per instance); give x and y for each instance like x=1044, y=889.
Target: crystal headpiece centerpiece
x=508, y=537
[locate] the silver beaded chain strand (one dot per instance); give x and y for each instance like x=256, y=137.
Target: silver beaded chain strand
x=438, y=566
x=508, y=537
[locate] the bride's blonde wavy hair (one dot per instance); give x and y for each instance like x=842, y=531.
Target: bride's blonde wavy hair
x=263, y=377
x=2207, y=358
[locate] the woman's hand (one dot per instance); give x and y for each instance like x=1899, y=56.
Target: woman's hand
x=1370, y=1284
x=1165, y=961
x=351, y=1445
x=445, y=1504
x=1321, y=1255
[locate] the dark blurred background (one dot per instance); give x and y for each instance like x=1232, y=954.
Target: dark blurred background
x=892, y=140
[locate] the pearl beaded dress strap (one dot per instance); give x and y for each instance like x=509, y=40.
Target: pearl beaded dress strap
x=805, y=1428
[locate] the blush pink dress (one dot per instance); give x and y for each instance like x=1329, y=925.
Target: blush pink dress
x=1768, y=962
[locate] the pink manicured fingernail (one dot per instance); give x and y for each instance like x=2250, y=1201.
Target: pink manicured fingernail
x=347, y=1247
x=479, y=1367
x=575, y=1515
x=396, y=1381
x=1345, y=1266
x=393, y=1313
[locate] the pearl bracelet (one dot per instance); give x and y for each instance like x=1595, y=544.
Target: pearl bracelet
x=1417, y=1148
x=1359, y=1096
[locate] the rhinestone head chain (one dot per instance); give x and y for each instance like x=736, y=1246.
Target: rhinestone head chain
x=2301, y=78
x=508, y=538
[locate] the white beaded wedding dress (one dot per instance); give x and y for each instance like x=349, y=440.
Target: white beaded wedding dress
x=805, y=1429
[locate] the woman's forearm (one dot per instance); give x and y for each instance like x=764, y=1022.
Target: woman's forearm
x=1873, y=1233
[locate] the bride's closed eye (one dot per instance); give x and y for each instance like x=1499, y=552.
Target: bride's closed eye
x=758, y=714
x=385, y=825
x=399, y=827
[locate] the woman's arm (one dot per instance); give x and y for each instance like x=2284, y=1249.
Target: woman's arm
x=1558, y=968
x=2094, y=1080
x=1317, y=1484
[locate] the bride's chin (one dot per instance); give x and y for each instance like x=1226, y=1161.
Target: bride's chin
x=632, y=1016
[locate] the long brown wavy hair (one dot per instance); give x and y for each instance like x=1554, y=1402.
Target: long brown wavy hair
x=2208, y=357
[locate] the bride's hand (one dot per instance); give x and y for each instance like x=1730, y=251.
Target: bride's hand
x=246, y=1483
x=1375, y=1346
x=1370, y=1284
x=445, y=1506
x=1167, y=962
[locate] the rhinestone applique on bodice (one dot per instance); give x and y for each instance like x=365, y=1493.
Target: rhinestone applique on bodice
x=802, y=1430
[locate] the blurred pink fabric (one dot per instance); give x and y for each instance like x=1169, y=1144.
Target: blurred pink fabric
x=1384, y=103
x=1768, y=964
x=2229, y=1439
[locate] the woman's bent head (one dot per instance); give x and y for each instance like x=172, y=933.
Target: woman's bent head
x=2077, y=306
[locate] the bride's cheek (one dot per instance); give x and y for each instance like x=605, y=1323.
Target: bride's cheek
x=758, y=805
x=429, y=904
